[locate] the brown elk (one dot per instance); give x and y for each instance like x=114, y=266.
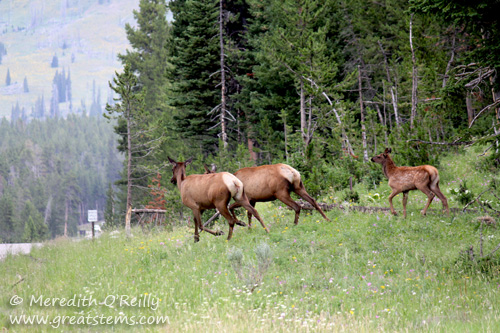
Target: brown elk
x=215, y=190
x=271, y=182
x=405, y=179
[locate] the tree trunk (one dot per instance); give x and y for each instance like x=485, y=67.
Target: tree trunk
x=303, y=113
x=470, y=110
x=452, y=58
x=129, y=171
x=223, y=78
x=394, y=96
x=414, y=79
x=66, y=218
x=253, y=155
x=362, y=108
x=283, y=117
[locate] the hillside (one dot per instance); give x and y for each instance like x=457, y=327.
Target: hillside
x=86, y=37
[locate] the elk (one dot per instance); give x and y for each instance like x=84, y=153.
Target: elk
x=405, y=179
x=207, y=191
x=270, y=182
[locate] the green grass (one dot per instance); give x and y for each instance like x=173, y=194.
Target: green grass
x=359, y=272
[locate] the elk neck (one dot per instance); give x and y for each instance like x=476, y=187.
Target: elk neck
x=388, y=166
x=180, y=175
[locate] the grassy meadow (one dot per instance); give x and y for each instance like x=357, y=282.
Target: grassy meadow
x=359, y=272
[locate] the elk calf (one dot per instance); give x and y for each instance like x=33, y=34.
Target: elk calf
x=404, y=179
x=271, y=182
x=215, y=190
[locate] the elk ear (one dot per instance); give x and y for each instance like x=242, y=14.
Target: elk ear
x=171, y=161
x=206, y=168
x=387, y=151
x=214, y=168
x=188, y=161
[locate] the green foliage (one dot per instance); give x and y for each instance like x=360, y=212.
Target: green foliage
x=462, y=193
x=35, y=229
x=351, y=196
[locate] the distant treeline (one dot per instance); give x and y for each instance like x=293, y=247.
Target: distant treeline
x=51, y=173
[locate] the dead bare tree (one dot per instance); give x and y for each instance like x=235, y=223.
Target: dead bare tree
x=362, y=109
x=414, y=78
x=223, y=77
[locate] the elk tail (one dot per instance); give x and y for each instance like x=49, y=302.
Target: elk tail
x=234, y=185
x=433, y=176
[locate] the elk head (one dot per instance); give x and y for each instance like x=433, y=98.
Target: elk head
x=179, y=169
x=208, y=171
x=382, y=157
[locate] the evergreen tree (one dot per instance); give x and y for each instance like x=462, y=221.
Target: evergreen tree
x=68, y=87
x=35, y=229
x=110, y=212
x=15, y=113
x=26, y=89
x=8, y=79
x=55, y=62
x=148, y=57
x=54, y=102
x=129, y=110
x=195, y=60
x=7, y=218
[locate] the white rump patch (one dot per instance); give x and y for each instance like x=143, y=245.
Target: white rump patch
x=234, y=185
x=290, y=174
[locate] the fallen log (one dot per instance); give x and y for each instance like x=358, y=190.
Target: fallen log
x=368, y=209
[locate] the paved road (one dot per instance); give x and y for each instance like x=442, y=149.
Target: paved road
x=24, y=248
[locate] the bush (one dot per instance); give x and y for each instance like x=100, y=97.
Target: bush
x=462, y=194
x=251, y=273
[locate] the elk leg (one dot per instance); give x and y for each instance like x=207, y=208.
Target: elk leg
x=238, y=222
x=197, y=221
x=230, y=220
x=393, y=194
x=429, y=195
x=202, y=228
x=304, y=195
x=285, y=197
x=441, y=197
x=405, y=200
x=252, y=211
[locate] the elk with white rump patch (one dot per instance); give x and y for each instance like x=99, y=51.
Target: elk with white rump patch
x=270, y=182
x=405, y=179
x=215, y=190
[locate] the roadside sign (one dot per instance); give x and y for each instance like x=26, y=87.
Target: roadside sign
x=92, y=215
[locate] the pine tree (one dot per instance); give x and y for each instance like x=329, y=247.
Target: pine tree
x=35, y=229
x=7, y=218
x=129, y=110
x=55, y=62
x=8, y=79
x=110, y=215
x=195, y=60
x=26, y=89
x=148, y=57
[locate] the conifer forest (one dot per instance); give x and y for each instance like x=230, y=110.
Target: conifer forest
x=320, y=85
